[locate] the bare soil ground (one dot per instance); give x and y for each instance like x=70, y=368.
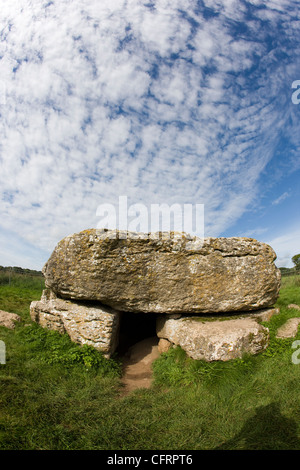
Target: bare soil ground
x=137, y=371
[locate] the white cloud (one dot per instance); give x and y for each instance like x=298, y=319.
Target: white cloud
x=281, y=198
x=254, y=233
x=286, y=246
x=113, y=97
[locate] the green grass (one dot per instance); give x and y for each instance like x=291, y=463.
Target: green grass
x=57, y=395
x=17, y=291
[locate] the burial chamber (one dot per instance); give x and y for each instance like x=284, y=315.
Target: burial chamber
x=208, y=296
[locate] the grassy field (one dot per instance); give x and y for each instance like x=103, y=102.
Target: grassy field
x=57, y=395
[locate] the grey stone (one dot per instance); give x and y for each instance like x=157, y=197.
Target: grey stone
x=164, y=345
x=8, y=319
x=175, y=274
x=215, y=339
x=294, y=306
x=94, y=325
x=289, y=329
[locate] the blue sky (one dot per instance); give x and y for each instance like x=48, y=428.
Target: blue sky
x=167, y=101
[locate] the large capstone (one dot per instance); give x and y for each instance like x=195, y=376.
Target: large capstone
x=175, y=273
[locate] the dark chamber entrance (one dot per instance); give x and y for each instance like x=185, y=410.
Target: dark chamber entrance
x=135, y=327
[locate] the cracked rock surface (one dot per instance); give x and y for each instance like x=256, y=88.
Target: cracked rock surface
x=172, y=273
x=85, y=323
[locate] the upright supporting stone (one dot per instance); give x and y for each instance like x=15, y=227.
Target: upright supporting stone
x=94, y=325
x=215, y=339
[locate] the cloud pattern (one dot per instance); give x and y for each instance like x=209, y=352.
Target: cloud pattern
x=163, y=101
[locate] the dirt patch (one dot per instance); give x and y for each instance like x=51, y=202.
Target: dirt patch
x=137, y=370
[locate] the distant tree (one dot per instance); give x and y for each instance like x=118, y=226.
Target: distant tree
x=296, y=261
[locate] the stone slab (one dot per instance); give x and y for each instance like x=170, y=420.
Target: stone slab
x=216, y=339
x=176, y=273
x=289, y=329
x=9, y=319
x=94, y=325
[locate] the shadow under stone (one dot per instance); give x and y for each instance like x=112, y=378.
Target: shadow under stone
x=134, y=327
